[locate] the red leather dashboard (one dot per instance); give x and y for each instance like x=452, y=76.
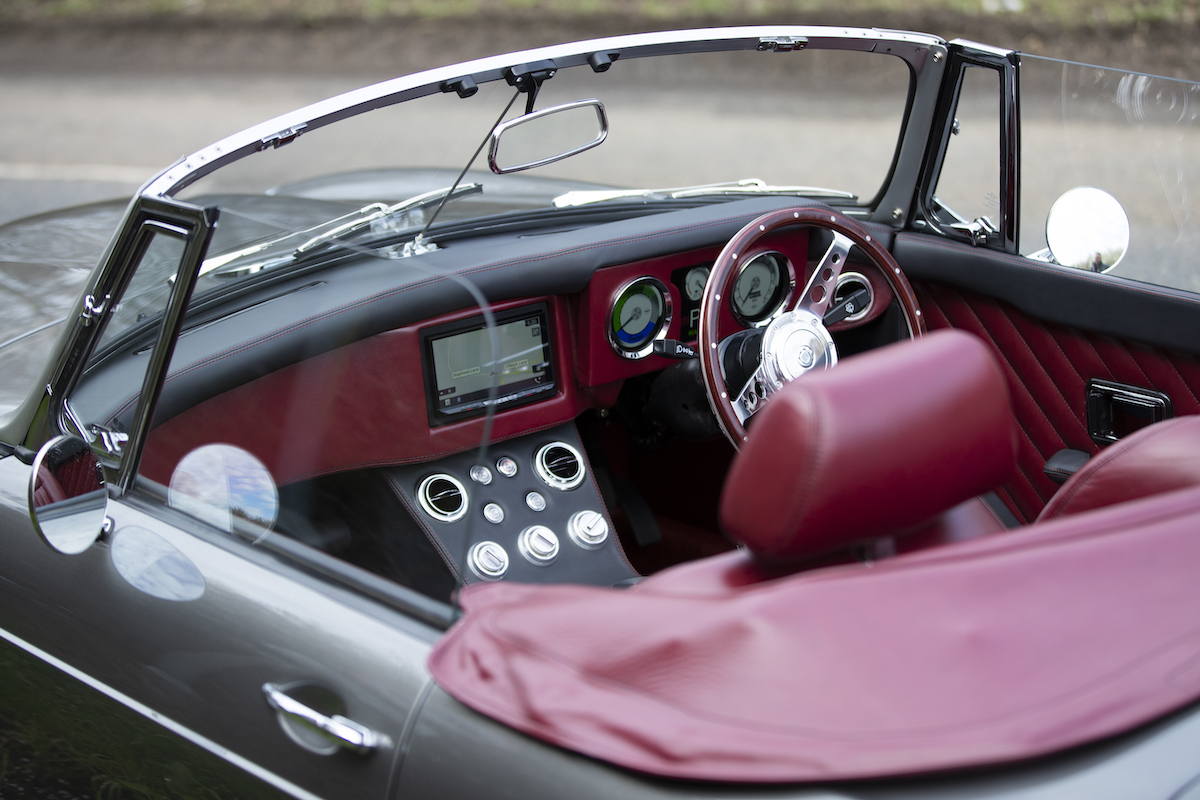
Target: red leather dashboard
x=363, y=404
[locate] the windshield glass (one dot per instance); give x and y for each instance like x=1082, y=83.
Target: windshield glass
x=825, y=121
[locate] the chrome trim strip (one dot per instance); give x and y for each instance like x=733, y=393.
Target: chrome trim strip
x=168, y=723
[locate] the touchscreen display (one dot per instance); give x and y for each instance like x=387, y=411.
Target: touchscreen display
x=460, y=369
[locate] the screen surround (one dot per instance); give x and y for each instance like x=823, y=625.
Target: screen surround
x=456, y=358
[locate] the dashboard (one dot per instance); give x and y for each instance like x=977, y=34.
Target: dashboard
x=408, y=401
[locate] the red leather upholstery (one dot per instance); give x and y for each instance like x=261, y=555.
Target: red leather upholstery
x=873, y=448
x=1160, y=458
x=1048, y=367
x=47, y=489
x=998, y=649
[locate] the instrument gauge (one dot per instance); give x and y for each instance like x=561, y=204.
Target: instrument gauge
x=640, y=314
x=760, y=289
x=694, y=282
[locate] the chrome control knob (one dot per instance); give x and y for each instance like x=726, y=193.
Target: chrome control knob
x=588, y=529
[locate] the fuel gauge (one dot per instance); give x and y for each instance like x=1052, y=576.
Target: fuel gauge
x=640, y=314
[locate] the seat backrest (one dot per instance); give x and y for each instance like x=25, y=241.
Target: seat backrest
x=1158, y=458
x=876, y=447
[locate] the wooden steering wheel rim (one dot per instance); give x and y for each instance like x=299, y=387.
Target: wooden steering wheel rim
x=723, y=269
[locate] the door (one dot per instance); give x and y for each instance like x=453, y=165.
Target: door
x=236, y=665
x=1020, y=132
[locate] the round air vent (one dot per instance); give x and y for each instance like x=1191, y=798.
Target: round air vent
x=848, y=283
x=559, y=465
x=442, y=497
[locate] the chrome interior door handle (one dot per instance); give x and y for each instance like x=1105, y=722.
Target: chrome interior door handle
x=345, y=732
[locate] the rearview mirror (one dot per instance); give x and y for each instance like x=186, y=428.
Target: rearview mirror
x=1087, y=229
x=67, y=499
x=546, y=136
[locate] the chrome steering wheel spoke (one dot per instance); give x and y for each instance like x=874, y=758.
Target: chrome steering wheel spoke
x=818, y=294
x=796, y=342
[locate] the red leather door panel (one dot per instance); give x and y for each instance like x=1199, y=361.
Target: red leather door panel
x=1048, y=367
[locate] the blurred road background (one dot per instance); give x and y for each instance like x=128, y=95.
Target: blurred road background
x=98, y=95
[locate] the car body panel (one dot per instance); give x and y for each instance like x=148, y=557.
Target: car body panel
x=316, y=370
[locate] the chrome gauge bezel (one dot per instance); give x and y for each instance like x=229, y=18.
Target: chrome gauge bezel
x=856, y=277
x=784, y=289
x=662, y=314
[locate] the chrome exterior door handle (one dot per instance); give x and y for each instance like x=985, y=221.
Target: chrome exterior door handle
x=345, y=732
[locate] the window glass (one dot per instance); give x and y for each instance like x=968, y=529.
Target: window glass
x=969, y=184
x=108, y=393
x=1134, y=136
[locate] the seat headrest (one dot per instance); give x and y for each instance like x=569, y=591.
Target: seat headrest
x=881, y=443
x=1158, y=458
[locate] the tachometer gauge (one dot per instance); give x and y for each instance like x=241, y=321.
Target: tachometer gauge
x=760, y=289
x=694, y=282
x=640, y=314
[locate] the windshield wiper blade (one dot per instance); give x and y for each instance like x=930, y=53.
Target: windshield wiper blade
x=381, y=217
x=388, y=220
x=752, y=186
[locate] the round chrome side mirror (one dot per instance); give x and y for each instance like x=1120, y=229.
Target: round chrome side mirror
x=67, y=499
x=1087, y=229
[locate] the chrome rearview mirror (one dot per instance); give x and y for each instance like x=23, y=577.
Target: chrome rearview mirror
x=1087, y=229
x=546, y=136
x=67, y=499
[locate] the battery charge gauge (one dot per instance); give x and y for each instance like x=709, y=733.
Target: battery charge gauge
x=640, y=314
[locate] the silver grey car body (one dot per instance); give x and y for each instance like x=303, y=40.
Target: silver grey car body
x=193, y=642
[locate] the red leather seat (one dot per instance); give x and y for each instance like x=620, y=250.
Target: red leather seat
x=47, y=489
x=1159, y=458
x=888, y=444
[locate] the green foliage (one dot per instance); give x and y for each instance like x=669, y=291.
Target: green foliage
x=58, y=734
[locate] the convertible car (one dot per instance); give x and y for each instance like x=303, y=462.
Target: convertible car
x=755, y=412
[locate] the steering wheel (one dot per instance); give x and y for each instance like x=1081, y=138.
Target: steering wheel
x=798, y=341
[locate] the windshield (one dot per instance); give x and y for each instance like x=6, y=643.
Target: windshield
x=815, y=123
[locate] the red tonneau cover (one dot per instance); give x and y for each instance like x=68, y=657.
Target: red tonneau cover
x=992, y=650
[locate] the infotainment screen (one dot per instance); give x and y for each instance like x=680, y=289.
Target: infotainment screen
x=460, y=370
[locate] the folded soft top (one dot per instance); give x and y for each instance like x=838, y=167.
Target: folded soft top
x=993, y=650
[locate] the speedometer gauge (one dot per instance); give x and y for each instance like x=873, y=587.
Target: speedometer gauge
x=760, y=289
x=640, y=314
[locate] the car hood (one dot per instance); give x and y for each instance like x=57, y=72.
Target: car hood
x=45, y=260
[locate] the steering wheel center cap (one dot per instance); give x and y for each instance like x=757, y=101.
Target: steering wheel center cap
x=797, y=343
